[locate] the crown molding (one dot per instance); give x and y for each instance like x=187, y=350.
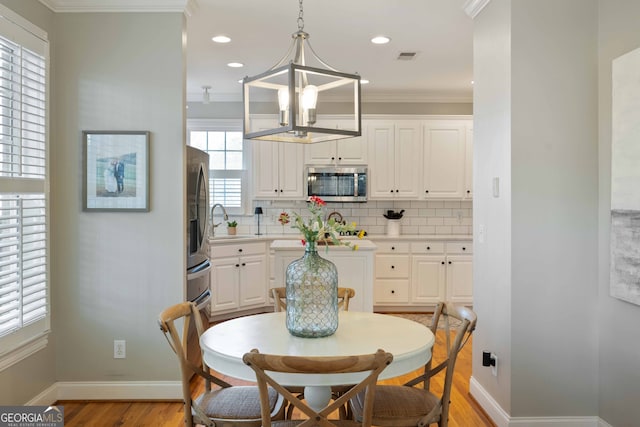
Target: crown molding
x=78, y=6
x=474, y=7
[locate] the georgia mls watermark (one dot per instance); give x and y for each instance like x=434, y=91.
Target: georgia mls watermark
x=31, y=416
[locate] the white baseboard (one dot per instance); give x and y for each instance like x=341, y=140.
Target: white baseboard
x=502, y=419
x=109, y=390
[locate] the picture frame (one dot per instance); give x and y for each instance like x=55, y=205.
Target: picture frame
x=115, y=171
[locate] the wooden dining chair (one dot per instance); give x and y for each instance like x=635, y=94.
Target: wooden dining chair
x=410, y=406
x=264, y=364
x=279, y=296
x=224, y=406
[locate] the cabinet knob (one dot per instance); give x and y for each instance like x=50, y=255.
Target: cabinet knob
x=428, y=248
x=281, y=190
x=397, y=191
x=244, y=263
x=449, y=262
x=392, y=191
x=468, y=191
x=393, y=266
x=426, y=191
x=240, y=250
x=464, y=249
x=333, y=158
x=339, y=158
x=237, y=265
x=393, y=248
x=276, y=190
x=393, y=292
x=442, y=262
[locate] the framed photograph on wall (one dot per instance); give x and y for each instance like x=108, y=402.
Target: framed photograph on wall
x=115, y=171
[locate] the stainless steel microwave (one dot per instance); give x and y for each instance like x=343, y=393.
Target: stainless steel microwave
x=337, y=183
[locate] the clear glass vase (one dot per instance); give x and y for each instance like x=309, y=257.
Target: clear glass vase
x=312, y=295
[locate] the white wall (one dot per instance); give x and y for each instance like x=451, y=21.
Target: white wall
x=114, y=272
x=619, y=335
x=544, y=110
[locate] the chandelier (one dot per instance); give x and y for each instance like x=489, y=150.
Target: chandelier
x=302, y=94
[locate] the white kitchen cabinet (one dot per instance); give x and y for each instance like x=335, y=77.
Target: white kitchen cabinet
x=444, y=159
x=468, y=163
x=238, y=276
x=394, y=154
x=392, y=273
x=345, y=152
x=277, y=168
x=428, y=285
x=419, y=274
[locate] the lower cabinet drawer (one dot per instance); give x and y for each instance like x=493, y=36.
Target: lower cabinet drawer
x=391, y=292
x=392, y=266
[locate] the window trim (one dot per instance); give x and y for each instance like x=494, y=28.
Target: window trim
x=227, y=125
x=33, y=337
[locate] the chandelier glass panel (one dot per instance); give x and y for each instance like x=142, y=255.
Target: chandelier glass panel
x=302, y=94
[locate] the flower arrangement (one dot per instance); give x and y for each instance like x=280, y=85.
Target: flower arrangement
x=315, y=229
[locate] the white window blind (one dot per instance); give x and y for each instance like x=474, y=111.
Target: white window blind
x=227, y=171
x=24, y=286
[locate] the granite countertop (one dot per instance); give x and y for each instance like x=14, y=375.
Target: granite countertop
x=222, y=239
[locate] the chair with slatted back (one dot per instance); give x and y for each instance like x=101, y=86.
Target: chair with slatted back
x=224, y=406
x=264, y=365
x=279, y=296
x=410, y=406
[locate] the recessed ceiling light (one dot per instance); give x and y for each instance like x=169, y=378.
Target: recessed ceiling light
x=364, y=81
x=471, y=81
x=235, y=64
x=221, y=39
x=380, y=40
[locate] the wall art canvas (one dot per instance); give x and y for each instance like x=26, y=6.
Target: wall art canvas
x=116, y=171
x=625, y=178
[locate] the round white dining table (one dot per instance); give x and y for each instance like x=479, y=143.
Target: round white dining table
x=224, y=344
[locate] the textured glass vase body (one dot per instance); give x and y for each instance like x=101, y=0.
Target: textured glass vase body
x=312, y=295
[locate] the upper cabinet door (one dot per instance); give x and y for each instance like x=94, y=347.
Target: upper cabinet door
x=382, y=157
x=265, y=169
x=351, y=151
x=407, y=150
x=291, y=171
x=468, y=163
x=444, y=160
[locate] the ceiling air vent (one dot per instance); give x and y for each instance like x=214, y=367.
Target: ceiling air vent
x=407, y=56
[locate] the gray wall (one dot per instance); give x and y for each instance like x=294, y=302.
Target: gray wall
x=492, y=159
x=619, y=335
x=22, y=381
x=114, y=272
x=545, y=114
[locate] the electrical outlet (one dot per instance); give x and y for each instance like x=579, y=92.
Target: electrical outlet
x=119, y=349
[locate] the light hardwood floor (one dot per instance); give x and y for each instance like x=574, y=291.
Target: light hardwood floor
x=463, y=412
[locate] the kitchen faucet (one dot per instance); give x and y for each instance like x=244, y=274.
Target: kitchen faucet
x=224, y=217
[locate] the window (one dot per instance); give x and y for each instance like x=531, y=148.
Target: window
x=227, y=172
x=24, y=285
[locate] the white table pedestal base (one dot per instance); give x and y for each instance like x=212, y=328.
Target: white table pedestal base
x=317, y=397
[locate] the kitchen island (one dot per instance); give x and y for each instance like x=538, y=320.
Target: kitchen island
x=355, y=268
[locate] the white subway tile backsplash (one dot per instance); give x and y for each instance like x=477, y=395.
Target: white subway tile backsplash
x=420, y=216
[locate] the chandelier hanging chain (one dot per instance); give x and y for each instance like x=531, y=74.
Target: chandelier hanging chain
x=300, y=17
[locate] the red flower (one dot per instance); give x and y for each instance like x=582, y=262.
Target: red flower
x=304, y=242
x=317, y=201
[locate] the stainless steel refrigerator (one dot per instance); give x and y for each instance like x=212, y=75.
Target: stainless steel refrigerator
x=198, y=264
